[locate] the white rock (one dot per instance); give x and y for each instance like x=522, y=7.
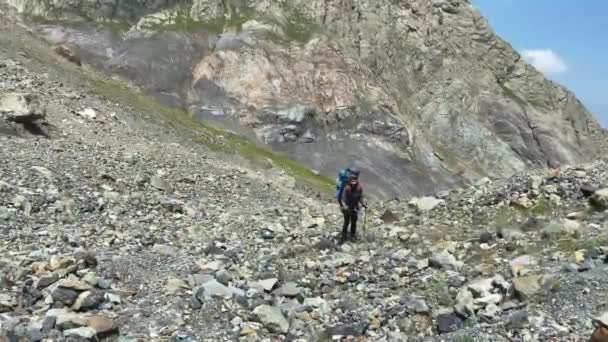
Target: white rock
x=481, y=287
x=318, y=303
x=84, y=332
x=603, y=319
x=519, y=264
x=21, y=107
x=425, y=203
x=534, y=182
x=464, y=303
x=487, y=300
x=88, y=113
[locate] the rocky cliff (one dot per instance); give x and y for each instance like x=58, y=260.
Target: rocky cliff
x=124, y=220
x=422, y=94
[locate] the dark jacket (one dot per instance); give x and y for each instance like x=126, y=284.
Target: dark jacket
x=351, y=197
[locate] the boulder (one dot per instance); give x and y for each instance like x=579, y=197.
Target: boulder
x=69, y=54
x=528, y=287
x=21, y=107
x=272, y=318
x=599, y=199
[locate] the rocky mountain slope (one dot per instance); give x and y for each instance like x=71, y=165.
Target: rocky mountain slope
x=417, y=91
x=116, y=226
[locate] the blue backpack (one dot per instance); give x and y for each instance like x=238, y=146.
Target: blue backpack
x=340, y=181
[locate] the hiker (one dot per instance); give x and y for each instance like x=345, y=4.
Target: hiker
x=351, y=202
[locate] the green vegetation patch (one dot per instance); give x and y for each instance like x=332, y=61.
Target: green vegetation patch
x=509, y=215
x=212, y=137
x=572, y=245
x=299, y=27
x=180, y=19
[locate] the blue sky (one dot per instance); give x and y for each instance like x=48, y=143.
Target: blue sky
x=566, y=39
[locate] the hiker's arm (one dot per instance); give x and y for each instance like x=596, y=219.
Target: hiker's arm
x=341, y=198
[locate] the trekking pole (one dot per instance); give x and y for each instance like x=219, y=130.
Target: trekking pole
x=365, y=220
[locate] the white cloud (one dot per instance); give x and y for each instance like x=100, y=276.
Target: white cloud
x=546, y=61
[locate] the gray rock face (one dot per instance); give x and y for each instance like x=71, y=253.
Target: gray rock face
x=417, y=91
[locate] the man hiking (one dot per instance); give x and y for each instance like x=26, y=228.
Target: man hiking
x=350, y=201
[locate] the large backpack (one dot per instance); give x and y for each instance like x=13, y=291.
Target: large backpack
x=341, y=181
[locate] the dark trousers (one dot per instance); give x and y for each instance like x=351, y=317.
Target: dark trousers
x=350, y=217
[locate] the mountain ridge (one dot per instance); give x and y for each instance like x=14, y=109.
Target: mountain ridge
x=424, y=92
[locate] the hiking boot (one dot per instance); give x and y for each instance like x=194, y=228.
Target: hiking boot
x=355, y=238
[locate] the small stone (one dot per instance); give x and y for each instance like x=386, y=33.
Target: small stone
x=444, y=259
x=587, y=265
x=215, y=289
x=290, y=289
x=500, y=282
x=160, y=184
x=510, y=234
x=485, y=237
x=165, y=250
x=603, y=319
x=101, y=325
x=447, y=323
x=570, y=227
x=389, y=217
x=490, y=299
x=265, y=285
x=195, y=303
x=319, y=303
x=201, y=278
x=534, y=182
x=223, y=277
x=84, y=332
x=425, y=203
x=599, y=199
x=579, y=174
x=518, y=320
x=74, y=285
x=175, y=285
x=236, y=321
x=491, y=312
x=44, y=172
x=522, y=202
x=88, y=300
x=580, y=256
x=212, y=266
x=272, y=318
x=113, y=298
x=88, y=113
x=464, y=303
x=65, y=319
x=588, y=189
x=47, y=280
x=21, y=107
x=481, y=287
x=64, y=295
x=91, y=279
x=58, y=262
x=48, y=323
x=416, y=305
x=528, y=286
x=519, y=264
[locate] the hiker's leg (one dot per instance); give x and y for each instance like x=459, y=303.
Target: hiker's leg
x=345, y=226
x=353, y=224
